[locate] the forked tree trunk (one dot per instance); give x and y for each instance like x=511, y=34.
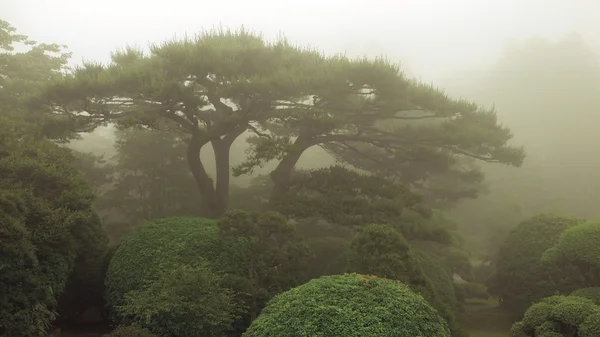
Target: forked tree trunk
x=215, y=196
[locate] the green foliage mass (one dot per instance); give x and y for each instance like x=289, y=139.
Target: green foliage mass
x=280, y=92
x=521, y=278
x=349, y=305
x=592, y=293
x=26, y=67
x=578, y=247
x=130, y=331
x=441, y=294
x=150, y=180
x=156, y=247
x=48, y=229
x=348, y=198
x=257, y=255
x=559, y=316
x=184, y=301
x=381, y=250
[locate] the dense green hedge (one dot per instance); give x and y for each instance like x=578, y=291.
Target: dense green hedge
x=442, y=296
x=159, y=246
x=592, y=293
x=521, y=277
x=559, y=316
x=48, y=228
x=130, y=331
x=578, y=249
x=349, y=305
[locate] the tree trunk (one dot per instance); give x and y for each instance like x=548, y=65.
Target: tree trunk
x=282, y=174
x=215, y=197
x=203, y=182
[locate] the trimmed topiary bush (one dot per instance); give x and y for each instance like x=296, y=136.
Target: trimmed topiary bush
x=521, y=277
x=578, y=248
x=559, y=316
x=592, y=293
x=160, y=246
x=186, y=301
x=349, y=305
x=591, y=326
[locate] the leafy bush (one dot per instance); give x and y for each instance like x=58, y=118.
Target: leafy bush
x=578, y=247
x=156, y=247
x=48, y=228
x=559, y=316
x=591, y=326
x=592, y=293
x=521, y=278
x=130, y=331
x=186, y=301
x=381, y=250
x=474, y=290
x=349, y=305
x=442, y=295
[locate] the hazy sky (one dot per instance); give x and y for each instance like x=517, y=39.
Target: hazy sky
x=430, y=37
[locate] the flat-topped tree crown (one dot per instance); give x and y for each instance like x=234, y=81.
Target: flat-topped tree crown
x=218, y=85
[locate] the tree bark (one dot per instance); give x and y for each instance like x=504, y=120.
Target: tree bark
x=203, y=182
x=215, y=196
x=282, y=174
x=222, y=149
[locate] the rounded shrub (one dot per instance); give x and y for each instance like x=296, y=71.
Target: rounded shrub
x=349, y=305
x=558, y=316
x=521, y=277
x=160, y=246
x=578, y=246
x=591, y=326
x=592, y=293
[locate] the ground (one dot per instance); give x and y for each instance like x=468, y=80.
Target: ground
x=483, y=318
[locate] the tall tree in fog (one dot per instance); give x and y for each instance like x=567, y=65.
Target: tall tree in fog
x=25, y=66
x=548, y=93
x=151, y=179
x=222, y=84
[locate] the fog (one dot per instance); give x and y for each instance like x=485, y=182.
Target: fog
x=536, y=62
x=461, y=46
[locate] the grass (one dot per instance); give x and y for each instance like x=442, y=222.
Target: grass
x=483, y=318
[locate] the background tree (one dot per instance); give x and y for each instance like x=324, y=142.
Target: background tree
x=49, y=229
x=348, y=198
x=25, y=68
x=274, y=257
x=222, y=84
x=150, y=180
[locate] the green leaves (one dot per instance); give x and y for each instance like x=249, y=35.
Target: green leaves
x=48, y=226
x=559, y=316
x=349, y=305
x=194, y=293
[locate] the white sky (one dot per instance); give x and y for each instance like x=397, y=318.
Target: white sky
x=432, y=38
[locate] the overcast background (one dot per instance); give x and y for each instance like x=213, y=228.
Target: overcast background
x=432, y=38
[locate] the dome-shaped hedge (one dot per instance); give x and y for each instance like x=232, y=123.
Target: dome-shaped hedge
x=349, y=305
x=591, y=293
x=521, y=277
x=557, y=315
x=579, y=244
x=156, y=246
